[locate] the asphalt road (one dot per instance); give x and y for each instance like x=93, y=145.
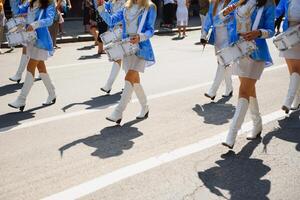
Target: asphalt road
x=69, y=150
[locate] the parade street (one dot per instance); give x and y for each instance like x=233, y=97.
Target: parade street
x=70, y=151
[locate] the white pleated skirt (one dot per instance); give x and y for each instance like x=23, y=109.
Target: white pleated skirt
x=248, y=68
x=293, y=53
x=37, y=53
x=134, y=63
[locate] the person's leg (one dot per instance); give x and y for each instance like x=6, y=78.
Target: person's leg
x=247, y=87
x=228, y=81
x=294, y=69
x=112, y=76
x=217, y=81
x=23, y=63
x=20, y=102
x=131, y=78
x=255, y=116
x=47, y=82
x=179, y=31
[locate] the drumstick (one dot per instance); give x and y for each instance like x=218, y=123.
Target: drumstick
x=238, y=4
x=207, y=38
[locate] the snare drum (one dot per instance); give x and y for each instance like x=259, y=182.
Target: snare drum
x=112, y=35
x=16, y=23
x=22, y=37
x=231, y=54
x=117, y=50
x=288, y=39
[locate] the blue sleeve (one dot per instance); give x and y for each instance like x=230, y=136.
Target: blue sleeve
x=208, y=19
x=269, y=18
x=150, y=22
x=112, y=20
x=18, y=8
x=50, y=13
x=280, y=9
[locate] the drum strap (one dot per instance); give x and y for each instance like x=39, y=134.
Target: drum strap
x=257, y=18
x=142, y=21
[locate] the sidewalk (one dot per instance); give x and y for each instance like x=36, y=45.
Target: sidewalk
x=75, y=31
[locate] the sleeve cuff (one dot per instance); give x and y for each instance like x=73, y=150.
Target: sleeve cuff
x=35, y=25
x=264, y=33
x=101, y=9
x=143, y=37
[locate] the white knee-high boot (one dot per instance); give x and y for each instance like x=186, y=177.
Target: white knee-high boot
x=296, y=102
x=228, y=82
x=117, y=114
x=238, y=119
x=293, y=87
x=217, y=81
x=112, y=77
x=20, y=102
x=50, y=88
x=256, y=118
x=23, y=63
x=140, y=94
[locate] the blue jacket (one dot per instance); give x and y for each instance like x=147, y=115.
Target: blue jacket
x=281, y=8
x=146, y=51
x=210, y=22
x=266, y=25
x=44, y=40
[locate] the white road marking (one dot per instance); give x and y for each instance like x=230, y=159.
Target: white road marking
x=84, y=112
x=150, y=163
x=76, y=64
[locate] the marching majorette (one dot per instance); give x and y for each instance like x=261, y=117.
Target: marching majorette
x=254, y=21
x=40, y=14
x=291, y=8
x=113, y=7
x=24, y=58
x=138, y=20
x=221, y=37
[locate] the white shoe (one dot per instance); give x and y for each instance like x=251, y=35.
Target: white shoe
x=50, y=88
x=293, y=87
x=116, y=115
x=112, y=77
x=296, y=102
x=238, y=118
x=256, y=118
x=140, y=93
x=23, y=63
x=216, y=84
x=20, y=102
x=228, y=82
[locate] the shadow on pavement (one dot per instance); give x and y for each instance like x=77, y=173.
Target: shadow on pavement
x=288, y=130
x=89, y=47
x=94, y=56
x=10, y=120
x=216, y=113
x=9, y=89
x=112, y=141
x=95, y=102
x=239, y=174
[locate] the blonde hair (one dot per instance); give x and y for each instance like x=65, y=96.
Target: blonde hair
x=144, y=3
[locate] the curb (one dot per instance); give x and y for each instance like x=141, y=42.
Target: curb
x=88, y=37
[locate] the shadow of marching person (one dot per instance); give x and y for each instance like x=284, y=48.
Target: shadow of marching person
x=216, y=113
x=112, y=141
x=10, y=89
x=97, y=102
x=239, y=174
x=11, y=120
x=288, y=130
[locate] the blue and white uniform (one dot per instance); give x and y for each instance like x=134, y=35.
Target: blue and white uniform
x=40, y=20
x=220, y=38
x=291, y=8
